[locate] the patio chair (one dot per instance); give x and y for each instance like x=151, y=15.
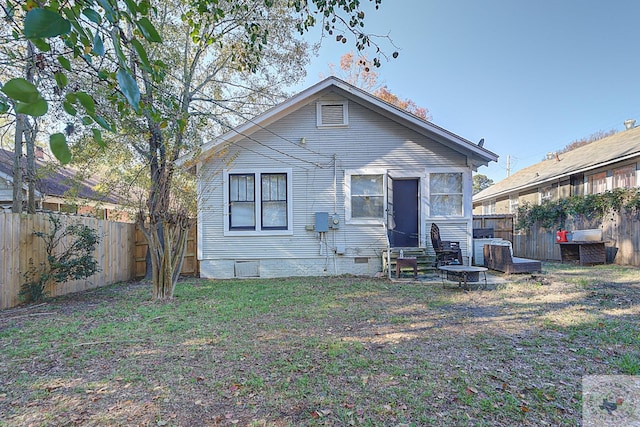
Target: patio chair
x=447, y=252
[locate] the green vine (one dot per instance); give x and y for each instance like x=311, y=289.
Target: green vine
x=553, y=214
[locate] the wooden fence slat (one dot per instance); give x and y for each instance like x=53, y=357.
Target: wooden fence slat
x=18, y=245
x=621, y=231
x=190, y=266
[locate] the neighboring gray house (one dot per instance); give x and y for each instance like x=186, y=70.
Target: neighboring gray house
x=55, y=187
x=325, y=182
x=606, y=164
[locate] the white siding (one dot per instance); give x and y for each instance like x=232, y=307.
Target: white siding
x=369, y=141
x=6, y=192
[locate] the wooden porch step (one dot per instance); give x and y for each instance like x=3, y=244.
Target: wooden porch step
x=424, y=261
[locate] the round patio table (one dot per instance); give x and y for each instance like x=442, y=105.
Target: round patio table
x=461, y=272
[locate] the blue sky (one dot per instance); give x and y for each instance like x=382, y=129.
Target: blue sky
x=527, y=76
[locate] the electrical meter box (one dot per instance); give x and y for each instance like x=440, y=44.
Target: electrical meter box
x=334, y=221
x=322, y=222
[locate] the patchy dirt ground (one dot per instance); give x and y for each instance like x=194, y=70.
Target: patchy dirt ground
x=321, y=351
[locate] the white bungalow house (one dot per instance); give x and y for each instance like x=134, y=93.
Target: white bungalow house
x=325, y=183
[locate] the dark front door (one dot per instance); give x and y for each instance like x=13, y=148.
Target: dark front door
x=405, y=213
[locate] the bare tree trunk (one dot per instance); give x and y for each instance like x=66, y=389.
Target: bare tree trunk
x=17, y=165
x=167, y=250
x=22, y=130
x=29, y=132
x=31, y=171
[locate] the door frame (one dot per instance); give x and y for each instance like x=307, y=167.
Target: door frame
x=397, y=174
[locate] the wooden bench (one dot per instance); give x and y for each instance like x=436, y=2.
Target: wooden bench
x=498, y=257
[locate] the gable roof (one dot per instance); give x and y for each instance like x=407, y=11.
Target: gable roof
x=57, y=181
x=478, y=155
x=612, y=149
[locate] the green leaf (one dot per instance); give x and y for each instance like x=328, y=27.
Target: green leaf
x=86, y=120
x=103, y=123
x=59, y=148
x=98, y=46
x=61, y=80
x=34, y=109
x=109, y=11
x=87, y=102
x=41, y=44
x=92, y=15
x=129, y=88
x=115, y=38
x=43, y=23
x=131, y=7
x=148, y=30
x=21, y=90
x=142, y=53
x=97, y=137
x=69, y=109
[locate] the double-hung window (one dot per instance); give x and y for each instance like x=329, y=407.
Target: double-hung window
x=598, y=183
x=242, y=202
x=514, y=203
x=274, y=201
x=365, y=196
x=259, y=202
x=624, y=177
x=546, y=194
x=446, y=194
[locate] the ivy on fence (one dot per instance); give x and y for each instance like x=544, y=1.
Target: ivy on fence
x=553, y=214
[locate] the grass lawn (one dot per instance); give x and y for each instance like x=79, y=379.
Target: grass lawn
x=321, y=351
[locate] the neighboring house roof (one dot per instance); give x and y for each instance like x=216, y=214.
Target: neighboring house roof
x=615, y=148
x=478, y=155
x=57, y=181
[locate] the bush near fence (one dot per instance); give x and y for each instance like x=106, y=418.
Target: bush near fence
x=620, y=231
x=19, y=246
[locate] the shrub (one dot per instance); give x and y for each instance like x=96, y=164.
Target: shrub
x=71, y=261
x=553, y=214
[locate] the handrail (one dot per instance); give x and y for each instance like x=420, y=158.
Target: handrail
x=386, y=237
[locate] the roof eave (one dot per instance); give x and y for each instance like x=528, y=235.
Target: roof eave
x=555, y=178
x=479, y=155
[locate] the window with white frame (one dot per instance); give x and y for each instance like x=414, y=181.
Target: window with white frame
x=597, y=183
x=489, y=208
x=259, y=201
x=332, y=114
x=446, y=193
x=365, y=196
x=546, y=193
x=514, y=203
x=624, y=177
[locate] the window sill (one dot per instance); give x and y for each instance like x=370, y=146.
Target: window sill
x=371, y=221
x=254, y=233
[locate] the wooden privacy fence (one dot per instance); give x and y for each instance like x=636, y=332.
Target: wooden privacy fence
x=190, y=265
x=621, y=231
x=502, y=224
x=19, y=247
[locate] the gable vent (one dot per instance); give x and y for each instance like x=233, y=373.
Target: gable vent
x=332, y=114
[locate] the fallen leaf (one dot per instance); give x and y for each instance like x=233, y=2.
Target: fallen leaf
x=471, y=390
x=524, y=409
